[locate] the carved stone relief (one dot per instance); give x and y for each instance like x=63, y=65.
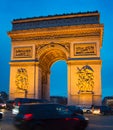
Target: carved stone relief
x=39, y=48
x=22, y=79
x=85, y=79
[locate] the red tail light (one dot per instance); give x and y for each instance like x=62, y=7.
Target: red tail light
x=19, y=103
x=28, y=116
x=14, y=104
x=77, y=119
x=67, y=119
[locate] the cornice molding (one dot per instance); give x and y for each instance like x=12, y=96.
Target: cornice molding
x=61, y=30
x=24, y=63
x=90, y=30
x=79, y=62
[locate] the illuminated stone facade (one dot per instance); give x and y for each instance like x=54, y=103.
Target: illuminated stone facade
x=37, y=43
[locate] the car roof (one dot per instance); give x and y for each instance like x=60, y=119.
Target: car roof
x=39, y=106
x=25, y=99
x=39, y=103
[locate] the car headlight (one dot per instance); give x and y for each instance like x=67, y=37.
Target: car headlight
x=86, y=118
x=3, y=105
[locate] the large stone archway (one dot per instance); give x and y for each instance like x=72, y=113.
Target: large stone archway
x=37, y=43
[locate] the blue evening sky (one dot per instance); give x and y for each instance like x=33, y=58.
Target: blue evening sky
x=15, y=9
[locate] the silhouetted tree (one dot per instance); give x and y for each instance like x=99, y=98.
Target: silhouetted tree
x=4, y=95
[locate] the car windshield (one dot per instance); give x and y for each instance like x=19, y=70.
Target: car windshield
x=73, y=107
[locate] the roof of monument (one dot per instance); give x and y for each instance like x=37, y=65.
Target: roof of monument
x=56, y=15
x=56, y=20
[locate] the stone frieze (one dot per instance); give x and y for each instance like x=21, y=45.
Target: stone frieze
x=22, y=52
x=85, y=49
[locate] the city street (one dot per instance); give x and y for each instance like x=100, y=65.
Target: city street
x=6, y=122
x=96, y=122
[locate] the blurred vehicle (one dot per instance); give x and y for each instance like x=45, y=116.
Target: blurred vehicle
x=75, y=109
x=48, y=116
x=87, y=109
x=102, y=110
x=2, y=104
x=19, y=101
x=9, y=104
x=1, y=115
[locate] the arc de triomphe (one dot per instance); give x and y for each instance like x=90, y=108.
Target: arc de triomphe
x=39, y=42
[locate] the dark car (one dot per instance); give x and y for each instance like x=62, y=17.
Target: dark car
x=1, y=115
x=9, y=104
x=75, y=109
x=19, y=101
x=2, y=104
x=48, y=116
x=102, y=110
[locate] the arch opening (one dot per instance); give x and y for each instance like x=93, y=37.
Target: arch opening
x=58, y=85
x=46, y=60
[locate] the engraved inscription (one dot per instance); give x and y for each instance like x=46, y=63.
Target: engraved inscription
x=85, y=49
x=23, y=52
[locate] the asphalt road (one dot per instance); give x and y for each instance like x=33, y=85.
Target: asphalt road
x=96, y=122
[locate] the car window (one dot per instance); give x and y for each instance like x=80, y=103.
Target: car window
x=39, y=110
x=63, y=110
x=28, y=100
x=73, y=107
